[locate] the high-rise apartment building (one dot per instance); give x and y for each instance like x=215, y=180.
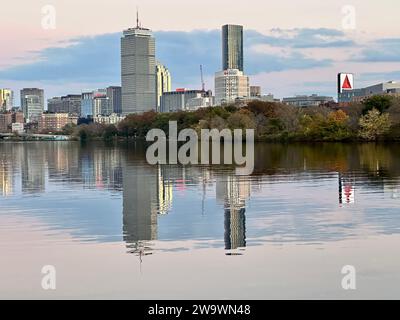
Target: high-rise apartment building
x=232, y=47
x=138, y=70
x=164, y=84
x=231, y=85
x=6, y=99
x=31, y=92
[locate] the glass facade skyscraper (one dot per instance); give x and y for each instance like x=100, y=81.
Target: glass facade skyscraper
x=232, y=47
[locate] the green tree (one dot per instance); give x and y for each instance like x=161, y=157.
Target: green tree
x=110, y=132
x=68, y=129
x=242, y=119
x=378, y=102
x=83, y=132
x=373, y=125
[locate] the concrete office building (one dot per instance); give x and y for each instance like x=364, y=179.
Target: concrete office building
x=70, y=104
x=232, y=47
x=201, y=101
x=32, y=92
x=6, y=99
x=114, y=95
x=138, y=70
x=255, y=91
x=231, y=85
x=33, y=108
x=54, y=105
x=107, y=120
x=101, y=106
x=178, y=100
x=164, y=83
x=358, y=95
x=307, y=101
x=266, y=98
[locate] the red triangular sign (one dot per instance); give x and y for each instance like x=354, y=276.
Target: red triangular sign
x=346, y=83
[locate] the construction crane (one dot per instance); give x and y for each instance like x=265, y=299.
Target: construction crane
x=203, y=85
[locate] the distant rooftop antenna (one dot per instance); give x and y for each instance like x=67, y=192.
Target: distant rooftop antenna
x=137, y=18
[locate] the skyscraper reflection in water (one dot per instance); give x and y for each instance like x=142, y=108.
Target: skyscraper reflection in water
x=139, y=203
x=33, y=169
x=233, y=191
x=6, y=177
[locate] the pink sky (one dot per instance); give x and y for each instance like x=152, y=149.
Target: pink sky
x=23, y=34
x=21, y=26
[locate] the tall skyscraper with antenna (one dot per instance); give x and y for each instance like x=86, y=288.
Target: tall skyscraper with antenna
x=138, y=70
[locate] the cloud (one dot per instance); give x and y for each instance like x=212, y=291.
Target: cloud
x=284, y=62
x=97, y=59
x=301, y=38
x=93, y=59
x=381, y=76
x=382, y=50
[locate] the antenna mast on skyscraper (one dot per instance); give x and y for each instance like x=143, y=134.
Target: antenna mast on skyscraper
x=137, y=18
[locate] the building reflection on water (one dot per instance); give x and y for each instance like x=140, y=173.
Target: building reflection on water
x=233, y=191
x=139, y=205
x=148, y=192
x=347, y=188
x=33, y=170
x=6, y=178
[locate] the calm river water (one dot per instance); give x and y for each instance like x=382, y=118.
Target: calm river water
x=115, y=227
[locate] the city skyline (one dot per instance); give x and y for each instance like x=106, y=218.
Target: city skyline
x=285, y=58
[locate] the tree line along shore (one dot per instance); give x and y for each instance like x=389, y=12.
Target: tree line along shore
x=375, y=119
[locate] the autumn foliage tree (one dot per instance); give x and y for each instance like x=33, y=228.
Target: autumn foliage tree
x=374, y=125
x=271, y=121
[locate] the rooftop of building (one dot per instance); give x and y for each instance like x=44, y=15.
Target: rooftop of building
x=313, y=96
x=183, y=91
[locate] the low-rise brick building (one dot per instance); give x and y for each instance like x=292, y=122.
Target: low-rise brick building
x=5, y=121
x=55, y=121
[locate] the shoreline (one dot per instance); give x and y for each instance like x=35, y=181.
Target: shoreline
x=257, y=141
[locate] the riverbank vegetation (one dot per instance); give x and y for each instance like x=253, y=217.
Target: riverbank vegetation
x=377, y=118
